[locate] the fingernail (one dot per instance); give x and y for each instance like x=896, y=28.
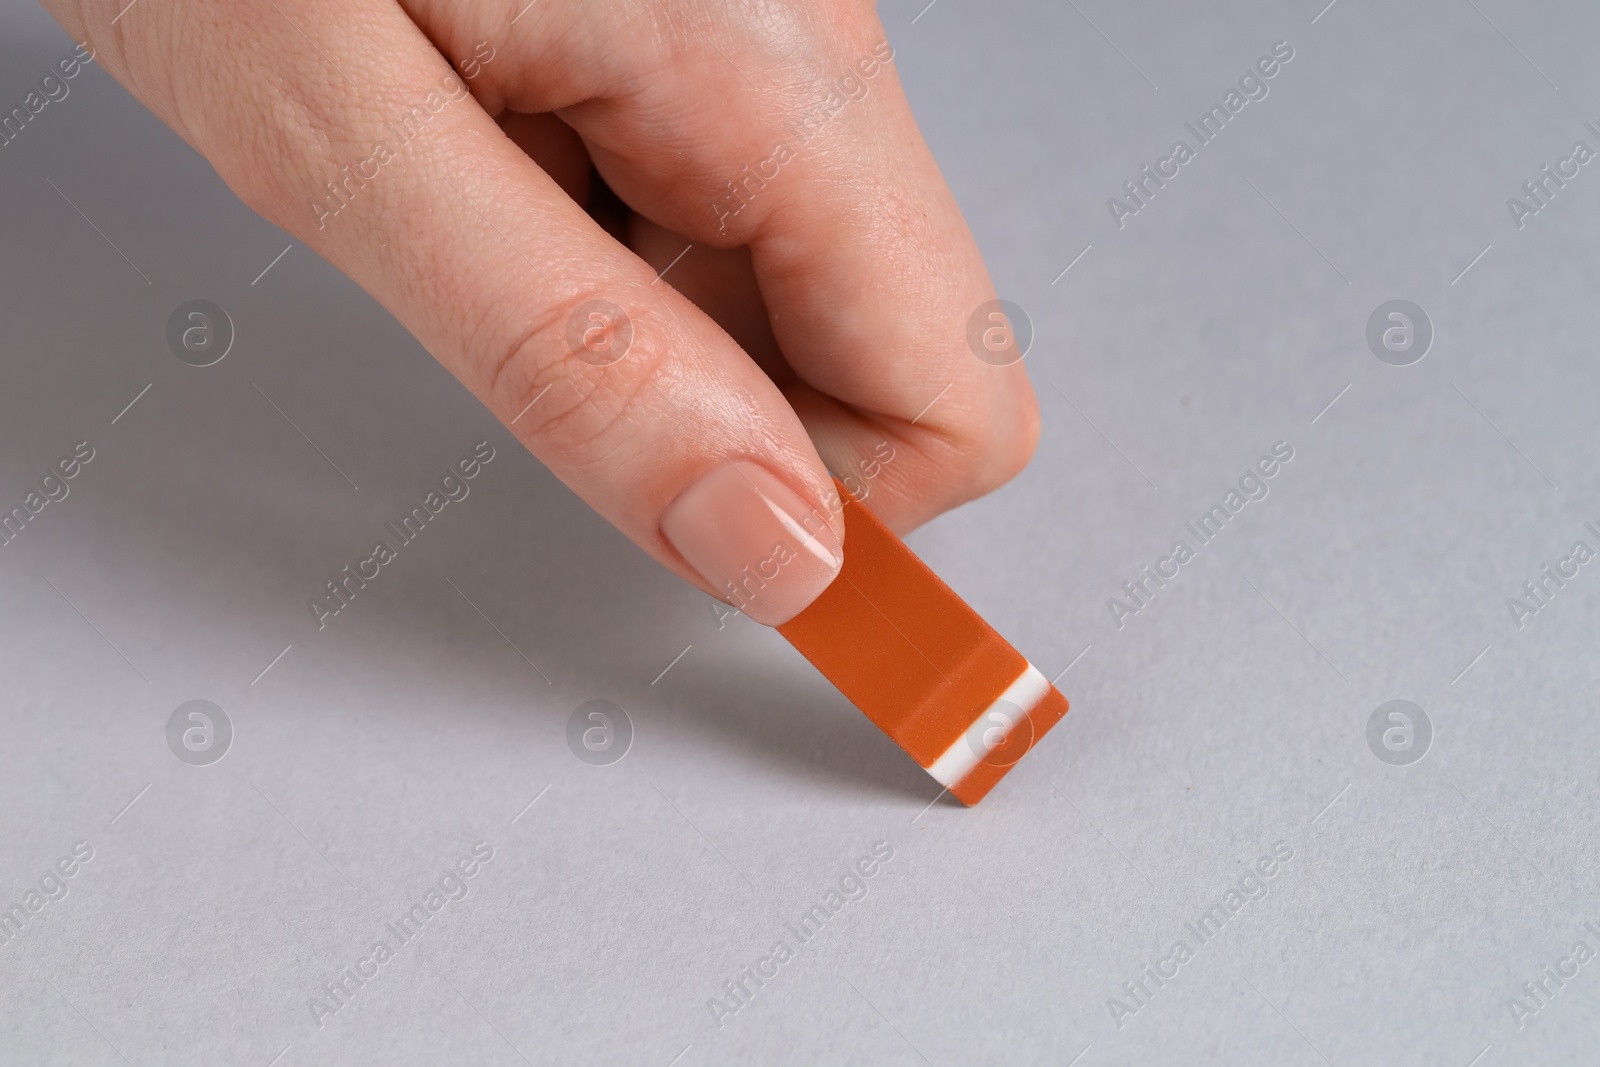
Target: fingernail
x=764, y=549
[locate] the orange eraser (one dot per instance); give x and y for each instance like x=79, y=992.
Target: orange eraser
x=921, y=664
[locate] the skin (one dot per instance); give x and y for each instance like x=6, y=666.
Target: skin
x=803, y=332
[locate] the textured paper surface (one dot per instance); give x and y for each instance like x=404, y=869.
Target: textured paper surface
x=1225, y=720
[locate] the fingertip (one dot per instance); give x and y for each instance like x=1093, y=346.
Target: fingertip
x=754, y=540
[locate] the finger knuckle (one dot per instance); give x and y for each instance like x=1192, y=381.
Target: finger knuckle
x=989, y=454
x=583, y=378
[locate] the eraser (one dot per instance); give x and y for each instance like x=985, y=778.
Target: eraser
x=921, y=664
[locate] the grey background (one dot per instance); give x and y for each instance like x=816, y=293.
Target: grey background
x=1227, y=716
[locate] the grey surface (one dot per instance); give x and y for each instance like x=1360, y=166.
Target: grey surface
x=1227, y=716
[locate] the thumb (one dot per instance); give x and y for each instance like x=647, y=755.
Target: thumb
x=368, y=147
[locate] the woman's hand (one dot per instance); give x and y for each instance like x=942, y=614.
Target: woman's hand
x=768, y=274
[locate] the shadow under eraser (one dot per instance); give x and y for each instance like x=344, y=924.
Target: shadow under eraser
x=910, y=653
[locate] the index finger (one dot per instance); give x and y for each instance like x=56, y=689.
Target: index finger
x=797, y=140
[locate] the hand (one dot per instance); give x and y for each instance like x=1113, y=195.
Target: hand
x=515, y=212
